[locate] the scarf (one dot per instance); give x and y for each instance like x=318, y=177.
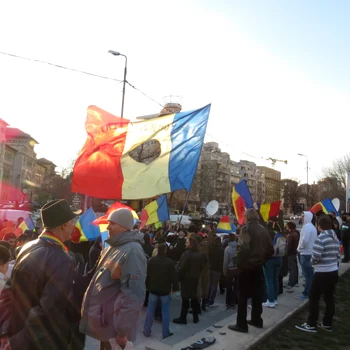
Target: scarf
x=53, y=239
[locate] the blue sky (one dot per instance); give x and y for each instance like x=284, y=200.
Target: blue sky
x=276, y=72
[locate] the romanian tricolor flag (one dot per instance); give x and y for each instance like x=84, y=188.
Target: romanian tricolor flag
x=268, y=210
x=88, y=231
x=326, y=206
x=143, y=159
x=241, y=200
x=26, y=224
x=225, y=226
x=154, y=212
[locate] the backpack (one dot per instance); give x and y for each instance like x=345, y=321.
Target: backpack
x=279, y=245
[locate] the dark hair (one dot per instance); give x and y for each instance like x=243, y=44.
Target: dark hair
x=217, y=240
x=9, y=235
x=193, y=241
x=5, y=244
x=5, y=255
x=160, y=239
x=344, y=217
x=162, y=249
x=291, y=225
x=324, y=222
x=232, y=237
x=23, y=237
x=147, y=238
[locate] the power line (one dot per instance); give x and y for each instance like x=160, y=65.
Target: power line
x=59, y=66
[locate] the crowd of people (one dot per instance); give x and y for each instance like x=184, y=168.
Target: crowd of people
x=55, y=291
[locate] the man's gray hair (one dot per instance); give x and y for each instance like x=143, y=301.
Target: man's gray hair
x=251, y=214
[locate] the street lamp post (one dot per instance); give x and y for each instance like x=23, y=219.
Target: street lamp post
x=115, y=53
x=307, y=177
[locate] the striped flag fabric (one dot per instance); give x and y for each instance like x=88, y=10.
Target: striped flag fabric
x=88, y=231
x=225, y=226
x=270, y=209
x=107, y=168
x=241, y=200
x=154, y=212
x=26, y=224
x=326, y=206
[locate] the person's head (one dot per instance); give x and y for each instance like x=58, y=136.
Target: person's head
x=22, y=239
x=217, y=240
x=192, y=242
x=344, y=218
x=324, y=223
x=332, y=214
x=181, y=234
x=162, y=248
x=251, y=215
x=11, y=239
x=58, y=218
x=5, y=257
x=147, y=238
x=232, y=237
x=120, y=220
x=291, y=226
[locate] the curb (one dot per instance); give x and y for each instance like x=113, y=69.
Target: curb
x=266, y=333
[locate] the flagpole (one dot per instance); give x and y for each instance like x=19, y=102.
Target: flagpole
x=183, y=210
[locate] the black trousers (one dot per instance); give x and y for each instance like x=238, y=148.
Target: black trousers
x=323, y=283
x=249, y=284
x=346, y=243
x=231, y=288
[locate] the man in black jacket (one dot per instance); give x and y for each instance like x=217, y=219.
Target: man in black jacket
x=254, y=248
x=159, y=281
x=34, y=304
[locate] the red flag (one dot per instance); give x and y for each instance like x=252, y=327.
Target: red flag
x=144, y=218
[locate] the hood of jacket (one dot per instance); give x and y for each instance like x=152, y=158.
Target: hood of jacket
x=126, y=237
x=307, y=217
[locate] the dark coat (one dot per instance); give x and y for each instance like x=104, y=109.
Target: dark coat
x=179, y=245
x=34, y=305
x=216, y=258
x=190, y=267
x=293, y=242
x=160, y=275
x=254, y=246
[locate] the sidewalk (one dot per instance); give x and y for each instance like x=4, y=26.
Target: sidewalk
x=186, y=335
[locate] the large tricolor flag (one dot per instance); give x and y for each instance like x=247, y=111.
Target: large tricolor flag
x=166, y=160
x=225, y=226
x=268, y=210
x=326, y=206
x=241, y=200
x=88, y=231
x=156, y=211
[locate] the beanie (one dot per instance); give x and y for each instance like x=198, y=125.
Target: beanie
x=122, y=217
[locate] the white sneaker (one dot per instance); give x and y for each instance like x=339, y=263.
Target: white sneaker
x=276, y=302
x=268, y=304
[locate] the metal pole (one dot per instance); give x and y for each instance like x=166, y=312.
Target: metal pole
x=307, y=182
x=124, y=81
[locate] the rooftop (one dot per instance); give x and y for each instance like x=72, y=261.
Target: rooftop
x=14, y=133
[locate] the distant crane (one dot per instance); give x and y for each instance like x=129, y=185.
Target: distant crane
x=274, y=161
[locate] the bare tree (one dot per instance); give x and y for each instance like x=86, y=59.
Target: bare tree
x=339, y=170
x=291, y=194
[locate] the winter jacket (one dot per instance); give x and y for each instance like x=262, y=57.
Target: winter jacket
x=190, y=267
x=34, y=305
x=179, y=245
x=160, y=275
x=216, y=258
x=254, y=246
x=116, y=293
x=230, y=257
x=308, y=235
x=293, y=242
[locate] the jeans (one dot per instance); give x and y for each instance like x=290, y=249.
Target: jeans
x=272, y=272
x=293, y=270
x=214, y=279
x=165, y=305
x=322, y=283
x=250, y=283
x=308, y=272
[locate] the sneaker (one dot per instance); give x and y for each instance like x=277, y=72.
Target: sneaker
x=250, y=306
x=268, y=304
x=213, y=305
x=326, y=328
x=257, y=325
x=306, y=328
x=276, y=302
x=301, y=297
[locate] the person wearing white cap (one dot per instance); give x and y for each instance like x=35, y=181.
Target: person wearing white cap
x=115, y=296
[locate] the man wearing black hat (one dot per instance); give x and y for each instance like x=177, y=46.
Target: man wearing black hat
x=34, y=303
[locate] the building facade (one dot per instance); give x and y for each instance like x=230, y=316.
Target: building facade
x=272, y=179
x=3, y=126
x=247, y=171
